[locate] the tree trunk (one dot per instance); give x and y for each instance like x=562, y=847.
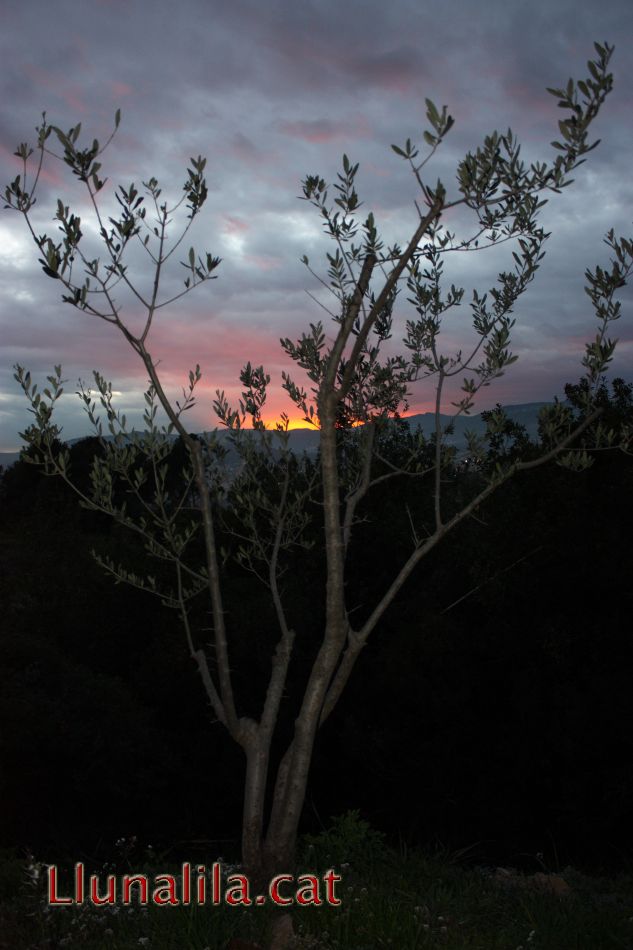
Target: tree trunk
x=266, y=855
x=275, y=852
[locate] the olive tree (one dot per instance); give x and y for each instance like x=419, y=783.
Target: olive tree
x=353, y=390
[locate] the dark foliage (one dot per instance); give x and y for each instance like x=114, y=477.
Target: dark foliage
x=491, y=708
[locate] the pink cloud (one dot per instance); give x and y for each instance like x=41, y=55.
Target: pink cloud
x=393, y=75
x=73, y=100
x=399, y=68
x=40, y=76
x=221, y=350
x=234, y=225
x=264, y=262
x=326, y=130
x=220, y=346
x=70, y=94
x=120, y=89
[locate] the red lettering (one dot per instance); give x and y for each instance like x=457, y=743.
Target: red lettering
x=202, y=884
x=52, y=888
x=128, y=881
x=165, y=893
x=331, y=879
x=216, y=886
x=273, y=889
x=110, y=896
x=79, y=883
x=237, y=893
x=309, y=892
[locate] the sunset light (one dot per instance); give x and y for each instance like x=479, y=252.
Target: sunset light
x=292, y=108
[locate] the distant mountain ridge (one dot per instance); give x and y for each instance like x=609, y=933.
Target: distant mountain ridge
x=526, y=414
x=307, y=439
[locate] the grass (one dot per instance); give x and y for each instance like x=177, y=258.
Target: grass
x=390, y=899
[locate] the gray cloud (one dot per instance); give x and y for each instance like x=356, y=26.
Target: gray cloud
x=271, y=92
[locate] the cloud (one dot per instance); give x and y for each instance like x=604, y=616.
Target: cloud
x=325, y=130
x=272, y=92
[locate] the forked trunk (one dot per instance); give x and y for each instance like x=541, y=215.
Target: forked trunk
x=266, y=855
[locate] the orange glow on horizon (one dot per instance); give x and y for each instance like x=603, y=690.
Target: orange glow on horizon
x=298, y=422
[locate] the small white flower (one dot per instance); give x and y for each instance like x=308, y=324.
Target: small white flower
x=143, y=941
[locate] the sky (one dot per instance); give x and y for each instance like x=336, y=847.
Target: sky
x=270, y=92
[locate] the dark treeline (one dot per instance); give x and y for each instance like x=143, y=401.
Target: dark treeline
x=492, y=709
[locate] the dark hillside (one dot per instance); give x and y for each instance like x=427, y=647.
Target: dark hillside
x=491, y=708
